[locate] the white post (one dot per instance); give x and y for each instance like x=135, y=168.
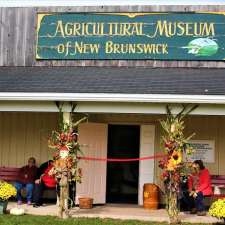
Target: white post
x=66, y=117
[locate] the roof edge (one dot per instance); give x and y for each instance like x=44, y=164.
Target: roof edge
x=110, y=97
x=48, y=3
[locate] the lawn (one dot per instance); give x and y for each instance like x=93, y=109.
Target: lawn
x=49, y=220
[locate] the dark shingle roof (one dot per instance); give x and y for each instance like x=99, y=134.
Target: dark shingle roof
x=113, y=80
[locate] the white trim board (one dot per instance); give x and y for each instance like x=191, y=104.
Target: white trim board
x=111, y=97
x=107, y=107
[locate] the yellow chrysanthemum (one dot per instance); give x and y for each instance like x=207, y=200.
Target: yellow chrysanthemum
x=6, y=191
x=217, y=209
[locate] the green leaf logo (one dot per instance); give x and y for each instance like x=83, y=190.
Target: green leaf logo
x=202, y=47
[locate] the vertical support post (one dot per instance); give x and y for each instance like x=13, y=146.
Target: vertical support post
x=64, y=184
x=63, y=198
x=66, y=117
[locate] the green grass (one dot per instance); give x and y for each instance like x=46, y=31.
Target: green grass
x=49, y=220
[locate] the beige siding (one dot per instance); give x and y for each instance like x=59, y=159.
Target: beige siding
x=221, y=146
x=23, y=135
x=18, y=37
x=206, y=128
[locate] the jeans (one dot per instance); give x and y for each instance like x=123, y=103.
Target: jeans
x=38, y=193
x=29, y=190
x=199, y=202
x=194, y=202
x=39, y=190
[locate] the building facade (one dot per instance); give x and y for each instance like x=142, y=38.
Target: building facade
x=124, y=97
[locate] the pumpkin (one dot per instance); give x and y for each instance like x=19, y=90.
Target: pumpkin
x=17, y=211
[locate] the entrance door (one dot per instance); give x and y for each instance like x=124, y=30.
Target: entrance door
x=122, y=178
x=93, y=140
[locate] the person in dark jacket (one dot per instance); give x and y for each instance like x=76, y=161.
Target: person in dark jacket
x=43, y=181
x=26, y=180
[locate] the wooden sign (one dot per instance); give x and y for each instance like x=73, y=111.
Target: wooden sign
x=135, y=36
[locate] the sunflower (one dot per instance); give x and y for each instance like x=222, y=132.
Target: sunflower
x=176, y=158
x=170, y=166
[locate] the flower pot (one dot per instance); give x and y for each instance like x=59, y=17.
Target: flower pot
x=3, y=206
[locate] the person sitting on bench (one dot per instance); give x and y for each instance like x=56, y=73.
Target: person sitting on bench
x=26, y=180
x=199, y=186
x=43, y=181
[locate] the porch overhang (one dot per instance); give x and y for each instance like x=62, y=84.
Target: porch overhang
x=107, y=107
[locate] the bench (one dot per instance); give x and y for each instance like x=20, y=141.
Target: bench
x=11, y=174
x=218, y=183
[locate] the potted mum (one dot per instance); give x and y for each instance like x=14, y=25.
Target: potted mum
x=217, y=209
x=6, y=191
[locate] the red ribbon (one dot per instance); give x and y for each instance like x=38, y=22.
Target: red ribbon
x=122, y=160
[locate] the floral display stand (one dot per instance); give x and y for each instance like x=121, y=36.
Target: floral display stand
x=174, y=167
x=66, y=149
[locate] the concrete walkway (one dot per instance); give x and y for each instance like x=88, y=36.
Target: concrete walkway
x=114, y=211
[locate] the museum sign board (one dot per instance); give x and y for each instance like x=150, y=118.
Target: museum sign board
x=131, y=36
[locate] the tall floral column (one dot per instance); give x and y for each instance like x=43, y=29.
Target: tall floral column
x=174, y=167
x=66, y=148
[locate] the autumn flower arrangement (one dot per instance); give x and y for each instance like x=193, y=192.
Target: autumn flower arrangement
x=66, y=148
x=66, y=151
x=6, y=191
x=174, y=166
x=217, y=209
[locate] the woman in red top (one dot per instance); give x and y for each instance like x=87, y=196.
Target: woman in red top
x=44, y=181
x=199, y=186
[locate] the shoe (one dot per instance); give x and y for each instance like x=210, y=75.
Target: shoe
x=201, y=213
x=36, y=205
x=19, y=202
x=29, y=203
x=193, y=211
